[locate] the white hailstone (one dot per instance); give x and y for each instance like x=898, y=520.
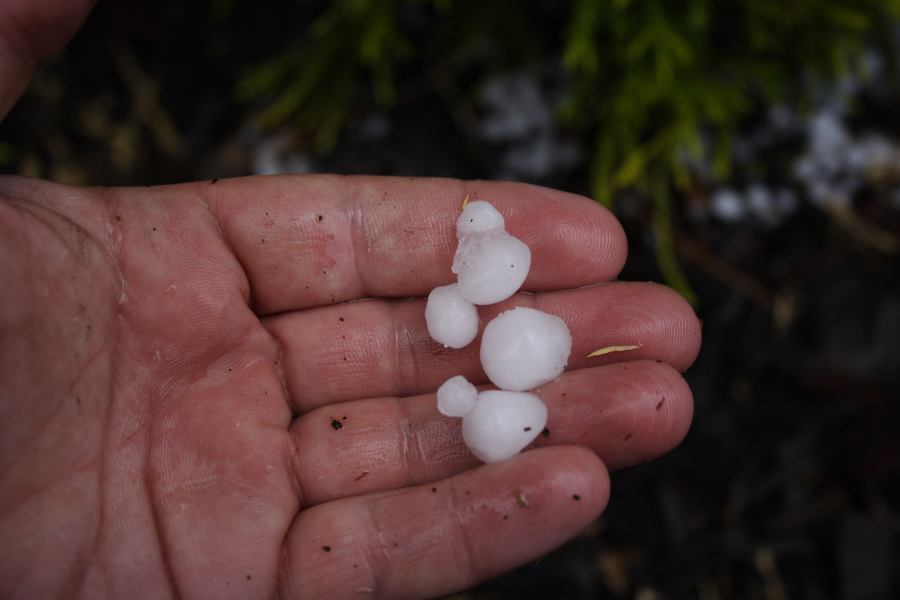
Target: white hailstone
x=523, y=348
x=727, y=205
x=456, y=397
x=490, y=267
x=479, y=217
x=451, y=319
x=502, y=424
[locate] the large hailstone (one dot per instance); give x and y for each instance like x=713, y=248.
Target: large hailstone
x=490, y=264
x=524, y=348
x=456, y=397
x=490, y=267
x=451, y=319
x=502, y=424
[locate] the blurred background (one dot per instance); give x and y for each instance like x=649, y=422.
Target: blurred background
x=750, y=147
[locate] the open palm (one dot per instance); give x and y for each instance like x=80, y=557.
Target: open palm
x=225, y=389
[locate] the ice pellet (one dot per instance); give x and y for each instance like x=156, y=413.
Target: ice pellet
x=456, y=397
x=524, y=348
x=451, y=320
x=502, y=424
x=479, y=217
x=490, y=267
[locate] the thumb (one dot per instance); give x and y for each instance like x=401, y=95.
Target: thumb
x=31, y=30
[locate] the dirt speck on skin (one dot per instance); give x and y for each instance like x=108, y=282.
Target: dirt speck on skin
x=341, y=319
x=628, y=436
x=360, y=476
x=545, y=432
x=216, y=180
x=249, y=577
x=659, y=404
x=320, y=218
x=326, y=548
x=433, y=490
x=336, y=425
x=576, y=497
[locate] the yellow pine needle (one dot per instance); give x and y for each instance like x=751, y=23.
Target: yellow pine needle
x=611, y=349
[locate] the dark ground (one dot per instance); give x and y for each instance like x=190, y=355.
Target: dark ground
x=788, y=485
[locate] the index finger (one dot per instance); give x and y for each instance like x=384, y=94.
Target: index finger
x=317, y=239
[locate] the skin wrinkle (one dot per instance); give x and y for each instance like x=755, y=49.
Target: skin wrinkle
x=37, y=213
x=111, y=251
x=144, y=425
x=24, y=574
x=111, y=338
x=63, y=478
x=158, y=526
x=294, y=464
x=283, y=571
x=405, y=353
x=463, y=535
x=359, y=239
x=376, y=554
x=108, y=250
x=211, y=203
x=97, y=538
x=283, y=374
x=404, y=426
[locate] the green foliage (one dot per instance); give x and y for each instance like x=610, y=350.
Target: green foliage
x=648, y=81
x=647, y=77
x=653, y=75
x=7, y=153
x=314, y=82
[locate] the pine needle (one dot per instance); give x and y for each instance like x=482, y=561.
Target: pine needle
x=611, y=349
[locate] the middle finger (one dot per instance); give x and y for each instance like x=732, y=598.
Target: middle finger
x=379, y=348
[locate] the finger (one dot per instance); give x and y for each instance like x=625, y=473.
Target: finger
x=382, y=348
x=431, y=540
x=627, y=413
x=314, y=240
x=31, y=30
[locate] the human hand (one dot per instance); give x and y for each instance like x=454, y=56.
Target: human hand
x=226, y=389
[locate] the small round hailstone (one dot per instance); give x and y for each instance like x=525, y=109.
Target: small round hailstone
x=502, y=424
x=490, y=267
x=451, y=319
x=456, y=397
x=523, y=348
x=479, y=217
